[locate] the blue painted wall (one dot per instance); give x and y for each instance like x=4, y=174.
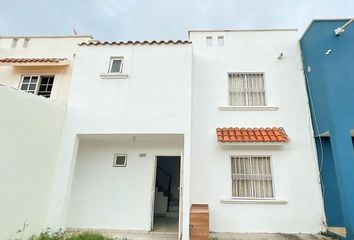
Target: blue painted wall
x=333, y=207
x=329, y=69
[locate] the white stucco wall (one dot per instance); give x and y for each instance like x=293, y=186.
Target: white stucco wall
x=120, y=198
x=30, y=132
x=294, y=165
x=41, y=47
x=154, y=99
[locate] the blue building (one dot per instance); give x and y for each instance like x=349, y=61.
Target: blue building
x=328, y=55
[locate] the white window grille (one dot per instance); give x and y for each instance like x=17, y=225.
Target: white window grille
x=39, y=85
x=209, y=41
x=246, y=89
x=116, y=65
x=252, y=177
x=220, y=41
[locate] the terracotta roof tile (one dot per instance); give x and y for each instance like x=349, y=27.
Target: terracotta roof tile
x=31, y=60
x=98, y=43
x=234, y=135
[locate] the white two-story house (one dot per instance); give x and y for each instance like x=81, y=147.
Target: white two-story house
x=153, y=127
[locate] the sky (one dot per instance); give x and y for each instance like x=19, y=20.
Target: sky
x=122, y=20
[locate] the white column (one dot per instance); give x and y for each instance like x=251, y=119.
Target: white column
x=62, y=180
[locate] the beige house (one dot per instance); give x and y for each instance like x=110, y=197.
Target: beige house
x=39, y=65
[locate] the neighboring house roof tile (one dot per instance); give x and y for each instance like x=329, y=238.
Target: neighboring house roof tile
x=31, y=60
x=239, y=135
x=96, y=43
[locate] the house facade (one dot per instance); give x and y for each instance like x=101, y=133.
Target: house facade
x=40, y=65
x=31, y=124
x=153, y=127
x=252, y=148
x=329, y=73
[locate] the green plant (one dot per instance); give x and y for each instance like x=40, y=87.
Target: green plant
x=213, y=238
x=48, y=234
x=88, y=236
x=19, y=233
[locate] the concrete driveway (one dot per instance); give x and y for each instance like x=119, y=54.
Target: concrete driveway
x=267, y=236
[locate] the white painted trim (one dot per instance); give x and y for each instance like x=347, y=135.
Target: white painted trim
x=113, y=76
x=253, y=201
x=248, y=108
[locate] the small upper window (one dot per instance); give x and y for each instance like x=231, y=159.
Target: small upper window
x=14, y=43
x=221, y=41
x=120, y=160
x=116, y=65
x=209, y=41
x=25, y=42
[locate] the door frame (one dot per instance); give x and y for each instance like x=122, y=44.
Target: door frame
x=153, y=189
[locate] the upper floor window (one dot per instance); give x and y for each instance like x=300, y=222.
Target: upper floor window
x=14, y=43
x=246, y=89
x=39, y=85
x=252, y=177
x=209, y=41
x=220, y=41
x=116, y=65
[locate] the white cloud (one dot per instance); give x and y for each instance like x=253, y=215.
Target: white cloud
x=161, y=19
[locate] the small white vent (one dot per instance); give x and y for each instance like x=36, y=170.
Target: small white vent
x=120, y=160
x=142, y=155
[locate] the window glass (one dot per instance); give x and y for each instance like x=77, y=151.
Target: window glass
x=252, y=177
x=246, y=89
x=116, y=65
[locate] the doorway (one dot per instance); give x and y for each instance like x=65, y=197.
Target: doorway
x=167, y=194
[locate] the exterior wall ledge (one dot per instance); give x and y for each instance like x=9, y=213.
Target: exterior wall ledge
x=113, y=75
x=254, y=201
x=248, y=108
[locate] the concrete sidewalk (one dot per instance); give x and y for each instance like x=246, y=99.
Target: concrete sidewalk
x=267, y=236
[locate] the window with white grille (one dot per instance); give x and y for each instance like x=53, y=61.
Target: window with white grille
x=252, y=177
x=39, y=85
x=246, y=89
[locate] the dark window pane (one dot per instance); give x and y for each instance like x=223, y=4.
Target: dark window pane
x=26, y=79
x=32, y=87
x=51, y=80
x=44, y=80
x=120, y=161
x=34, y=79
x=49, y=88
x=116, y=66
x=24, y=86
x=42, y=88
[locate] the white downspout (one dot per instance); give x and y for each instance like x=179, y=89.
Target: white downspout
x=340, y=30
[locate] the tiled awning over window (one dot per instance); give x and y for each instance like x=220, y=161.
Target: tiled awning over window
x=33, y=61
x=251, y=135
